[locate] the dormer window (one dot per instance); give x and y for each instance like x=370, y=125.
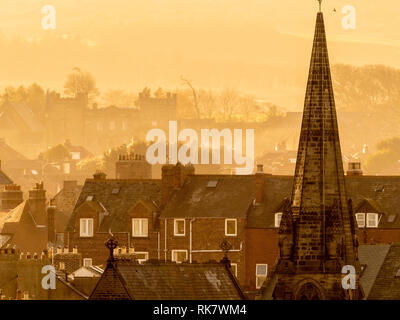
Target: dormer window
x=372, y=220
x=278, y=218
x=86, y=227
x=369, y=220
x=360, y=217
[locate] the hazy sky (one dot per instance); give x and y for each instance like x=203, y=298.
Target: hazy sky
x=251, y=45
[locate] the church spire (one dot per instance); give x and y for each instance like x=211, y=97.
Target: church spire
x=322, y=238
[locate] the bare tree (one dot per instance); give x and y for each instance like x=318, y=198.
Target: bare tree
x=195, y=100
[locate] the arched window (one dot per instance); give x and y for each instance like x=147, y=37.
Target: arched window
x=309, y=291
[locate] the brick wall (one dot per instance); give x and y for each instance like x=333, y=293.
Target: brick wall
x=261, y=248
x=207, y=235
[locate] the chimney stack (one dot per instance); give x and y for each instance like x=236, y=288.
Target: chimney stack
x=51, y=212
x=132, y=166
x=10, y=197
x=354, y=169
x=37, y=204
x=259, y=184
x=173, y=177
x=99, y=176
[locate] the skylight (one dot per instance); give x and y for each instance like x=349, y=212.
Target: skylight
x=115, y=191
x=212, y=184
x=89, y=198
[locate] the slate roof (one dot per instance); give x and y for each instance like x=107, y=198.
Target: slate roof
x=116, y=204
x=230, y=198
x=8, y=153
x=168, y=281
x=387, y=284
x=4, y=179
x=379, y=193
x=371, y=259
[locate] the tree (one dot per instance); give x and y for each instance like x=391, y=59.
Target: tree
x=229, y=100
x=386, y=159
x=80, y=83
x=195, y=100
x=33, y=96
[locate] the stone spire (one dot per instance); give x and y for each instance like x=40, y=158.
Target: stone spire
x=323, y=239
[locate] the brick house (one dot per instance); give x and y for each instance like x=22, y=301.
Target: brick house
x=25, y=226
x=172, y=217
x=128, y=209
x=202, y=212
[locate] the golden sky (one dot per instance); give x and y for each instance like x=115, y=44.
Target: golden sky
x=258, y=47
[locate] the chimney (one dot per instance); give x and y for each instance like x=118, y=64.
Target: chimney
x=133, y=166
x=99, y=176
x=259, y=184
x=10, y=197
x=354, y=169
x=37, y=204
x=51, y=236
x=172, y=178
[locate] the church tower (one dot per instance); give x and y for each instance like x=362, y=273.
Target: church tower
x=318, y=231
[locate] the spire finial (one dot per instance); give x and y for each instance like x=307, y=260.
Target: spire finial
x=320, y=5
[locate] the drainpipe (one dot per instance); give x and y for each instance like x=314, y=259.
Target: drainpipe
x=191, y=239
x=165, y=240
x=158, y=245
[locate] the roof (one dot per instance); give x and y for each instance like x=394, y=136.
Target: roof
x=375, y=193
x=387, y=284
x=4, y=179
x=116, y=203
x=20, y=117
x=8, y=153
x=213, y=196
x=168, y=281
x=371, y=259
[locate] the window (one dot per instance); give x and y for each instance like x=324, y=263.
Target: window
x=230, y=227
x=75, y=155
x=234, y=269
x=372, y=220
x=99, y=126
x=62, y=265
x=141, y=256
x=115, y=191
x=261, y=274
x=179, y=227
x=124, y=126
x=87, y=262
x=112, y=125
x=179, y=256
x=360, y=217
x=86, y=227
x=278, y=218
x=140, y=227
